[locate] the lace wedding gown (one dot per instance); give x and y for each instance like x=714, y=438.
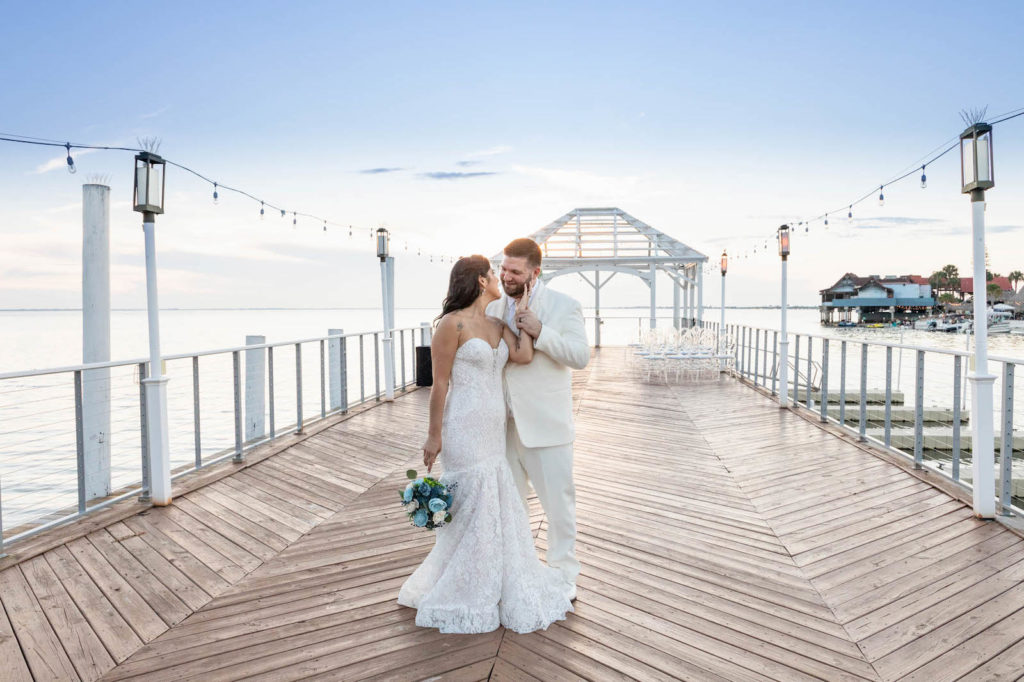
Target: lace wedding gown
x=483, y=570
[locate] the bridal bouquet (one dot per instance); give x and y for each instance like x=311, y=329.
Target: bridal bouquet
x=428, y=501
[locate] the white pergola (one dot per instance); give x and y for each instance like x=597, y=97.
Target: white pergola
x=607, y=241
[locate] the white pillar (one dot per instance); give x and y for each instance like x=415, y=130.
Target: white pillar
x=690, y=315
x=597, y=308
x=386, y=287
x=982, y=408
x=700, y=296
x=426, y=334
x=156, y=382
x=783, y=348
x=675, y=304
x=96, y=338
x=334, y=364
x=654, y=299
x=721, y=327
x=255, y=379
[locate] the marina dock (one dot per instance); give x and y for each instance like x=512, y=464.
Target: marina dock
x=721, y=539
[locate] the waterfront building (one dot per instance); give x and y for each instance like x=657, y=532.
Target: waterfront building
x=875, y=298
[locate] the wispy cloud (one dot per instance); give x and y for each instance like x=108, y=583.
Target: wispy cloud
x=455, y=175
x=468, y=163
x=378, y=171
x=154, y=114
x=1003, y=228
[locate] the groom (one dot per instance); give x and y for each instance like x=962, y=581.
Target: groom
x=539, y=397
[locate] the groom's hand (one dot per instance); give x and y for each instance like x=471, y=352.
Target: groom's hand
x=528, y=322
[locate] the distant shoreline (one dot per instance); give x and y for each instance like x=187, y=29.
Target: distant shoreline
x=610, y=307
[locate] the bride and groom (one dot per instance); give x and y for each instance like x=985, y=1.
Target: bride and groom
x=500, y=418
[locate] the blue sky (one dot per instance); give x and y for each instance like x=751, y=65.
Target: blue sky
x=712, y=122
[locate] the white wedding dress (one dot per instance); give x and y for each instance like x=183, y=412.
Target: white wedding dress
x=483, y=570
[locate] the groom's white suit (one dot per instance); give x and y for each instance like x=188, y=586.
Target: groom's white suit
x=540, y=426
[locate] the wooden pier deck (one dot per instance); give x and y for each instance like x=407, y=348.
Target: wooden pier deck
x=721, y=539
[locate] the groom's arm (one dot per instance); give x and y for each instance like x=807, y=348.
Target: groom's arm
x=567, y=345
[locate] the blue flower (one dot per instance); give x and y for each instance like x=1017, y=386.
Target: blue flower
x=420, y=517
x=437, y=504
x=407, y=494
x=417, y=481
x=424, y=489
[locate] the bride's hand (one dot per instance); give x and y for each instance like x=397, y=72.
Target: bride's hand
x=430, y=451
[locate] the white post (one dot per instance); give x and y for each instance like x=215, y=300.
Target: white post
x=675, y=304
x=156, y=382
x=690, y=316
x=255, y=379
x=597, y=308
x=783, y=347
x=426, y=334
x=721, y=328
x=982, y=448
x=96, y=338
x=389, y=358
x=700, y=297
x=334, y=363
x=654, y=304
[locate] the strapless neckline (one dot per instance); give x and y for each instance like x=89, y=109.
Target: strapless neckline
x=494, y=349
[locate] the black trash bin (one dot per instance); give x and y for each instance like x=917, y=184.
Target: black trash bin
x=424, y=368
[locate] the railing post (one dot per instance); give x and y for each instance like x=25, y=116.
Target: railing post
x=401, y=354
x=888, y=396
x=425, y=334
x=842, y=383
x=270, y=390
x=79, y=441
x=796, y=371
x=255, y=399
x=957, y=369
x=298, y=388
x=2, y=552
x=808, y=403
x=775, y=360
x=1006, y=452
x=863, y=425
x=343, y=370
x=824, y=380
x=764, y=362
x=236, y=362
x=144, y=495
x=362, y=372
x=376, y=364
x=919, y=411
x=323, y=380
x=757, y=355
x=334, y=363
x=197, y=438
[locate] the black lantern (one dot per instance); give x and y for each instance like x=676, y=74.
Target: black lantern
x=382, y=243
x=149, y=183
x=725, y=263
x=784, y=241
x=976, y=171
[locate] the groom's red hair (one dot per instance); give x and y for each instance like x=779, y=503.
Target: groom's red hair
x=524, y=248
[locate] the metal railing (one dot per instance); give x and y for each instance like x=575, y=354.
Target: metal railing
x=909, y=400
x=73, y=439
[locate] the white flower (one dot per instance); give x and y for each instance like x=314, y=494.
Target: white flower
x=439, y=517
x=415, y=504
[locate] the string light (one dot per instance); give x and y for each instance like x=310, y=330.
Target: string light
x=216, y=198
x=282, y=212
x=71, y=162
x=295, y=220
x=881, y=195
x=849, y=216
x=826, y=221
x=261, y=210
x=350, y=232
x=924, y=179
x=325, y=226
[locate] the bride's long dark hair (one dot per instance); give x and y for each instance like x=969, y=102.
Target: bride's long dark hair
x=463, y=284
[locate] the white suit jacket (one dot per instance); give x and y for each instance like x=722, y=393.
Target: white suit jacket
x=540, y=394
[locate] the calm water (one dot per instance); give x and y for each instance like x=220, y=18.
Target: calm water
x=37, y=416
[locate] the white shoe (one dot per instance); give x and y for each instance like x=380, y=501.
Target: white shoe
x=571, y=592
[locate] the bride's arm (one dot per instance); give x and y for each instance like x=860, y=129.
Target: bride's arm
x=442, y=355
x=520, y=348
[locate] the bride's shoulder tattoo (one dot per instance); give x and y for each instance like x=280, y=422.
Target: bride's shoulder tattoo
x=458, y=326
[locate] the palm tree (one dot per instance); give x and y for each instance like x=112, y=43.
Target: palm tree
x=952, y=276
x=1015, y=277
x=994, y=291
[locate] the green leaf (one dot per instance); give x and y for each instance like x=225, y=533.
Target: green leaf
x=410, y=474
x=447, y=518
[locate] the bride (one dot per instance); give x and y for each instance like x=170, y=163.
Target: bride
x=483, y=570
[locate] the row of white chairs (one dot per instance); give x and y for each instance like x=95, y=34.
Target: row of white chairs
x=674, y=356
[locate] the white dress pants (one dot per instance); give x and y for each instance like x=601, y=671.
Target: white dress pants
x=550, y=471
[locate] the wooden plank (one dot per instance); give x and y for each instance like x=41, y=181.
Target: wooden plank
x=83, y=647
x=42, y=649
x=158, y=566
x=14, y=668
x=115, y=633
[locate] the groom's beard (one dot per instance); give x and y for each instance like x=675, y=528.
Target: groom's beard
x=513, y=290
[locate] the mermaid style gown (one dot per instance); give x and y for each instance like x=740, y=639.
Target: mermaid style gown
x=483, y=570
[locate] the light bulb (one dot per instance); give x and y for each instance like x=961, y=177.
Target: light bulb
x=325, y=226
x=261, y=210
x=826, y=221
x=849, y=216
x=71, y=162
x=350, y=232
x=295, y=220
x=216, y=197
x=881, y=195
x=282, y=212
x=924, y=179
